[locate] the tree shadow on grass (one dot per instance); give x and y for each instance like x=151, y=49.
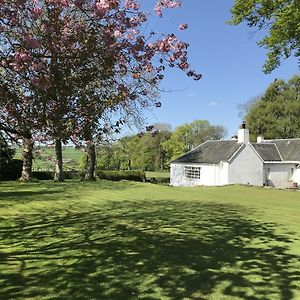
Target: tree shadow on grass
x=140, y=250
x=46, y=190
x=9, y=195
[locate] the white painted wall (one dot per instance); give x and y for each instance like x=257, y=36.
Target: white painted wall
x=280, y=175
x=209, y=175
x=246, y=168
x=297, y=175
x=222, y=173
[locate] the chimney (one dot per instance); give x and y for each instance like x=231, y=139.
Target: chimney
x=243, y=135
x=260, y=139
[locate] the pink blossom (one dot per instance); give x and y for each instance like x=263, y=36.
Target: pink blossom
x=38, y=66
x=47, y=28
x=42, y=83
x=99, y=10
x=183, y=26
x=117, y=34
x=36, y=12
x=79, y=2
x=64, y=2
x=162, y=4
x=32, y=42
x=132, y=4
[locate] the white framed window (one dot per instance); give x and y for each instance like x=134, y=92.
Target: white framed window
x=192, y=172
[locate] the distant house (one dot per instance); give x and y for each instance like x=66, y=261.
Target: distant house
x=267, y=162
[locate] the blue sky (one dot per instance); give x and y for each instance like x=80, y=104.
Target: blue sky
x=229, y=60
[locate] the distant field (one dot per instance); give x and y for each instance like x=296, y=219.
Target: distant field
x=44, y=158
x=124, y=240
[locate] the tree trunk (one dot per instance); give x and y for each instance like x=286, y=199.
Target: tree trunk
x=91, y=161
x=0, y=158
x=58, y=176
x=129, y=164
x=27, y=159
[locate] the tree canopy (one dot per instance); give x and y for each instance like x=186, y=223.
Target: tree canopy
x=65, y=64
x=276, y=113
x=281, y=18
x=154, y=149
x=188, y=136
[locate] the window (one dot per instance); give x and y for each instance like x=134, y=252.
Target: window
x=192, y=172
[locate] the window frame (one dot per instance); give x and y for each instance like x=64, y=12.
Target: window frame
x=192, y=172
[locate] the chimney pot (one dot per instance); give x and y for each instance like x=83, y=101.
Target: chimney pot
x=243, y=136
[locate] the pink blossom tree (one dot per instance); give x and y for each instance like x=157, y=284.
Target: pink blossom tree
x=19, y=116
x=74, y=60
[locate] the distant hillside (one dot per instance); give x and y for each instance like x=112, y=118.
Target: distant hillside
x=44, y=158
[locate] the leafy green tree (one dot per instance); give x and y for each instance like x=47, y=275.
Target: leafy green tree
x=151, y=154
x=280, y=17
x=109, y=157
x=139, y=152
x=276, y=113
x=153, y=150
x=188, y=136
x=173, y=148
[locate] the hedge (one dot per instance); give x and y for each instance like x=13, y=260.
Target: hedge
x=12, y=170
x=121, y=175
x=49, y=175
x=162, y=180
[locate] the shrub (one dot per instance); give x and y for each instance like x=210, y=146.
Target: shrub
x=42, y=175
x=49, y=175
x=158, y=177
x=11, y=170
x=159, y=180
x=73, y=174
x=121, y=175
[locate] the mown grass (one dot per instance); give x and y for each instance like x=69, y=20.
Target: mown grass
x=123, y=240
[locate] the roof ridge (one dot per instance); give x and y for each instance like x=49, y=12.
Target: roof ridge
x=281, y=139
x=262, y=143
x=221, y=140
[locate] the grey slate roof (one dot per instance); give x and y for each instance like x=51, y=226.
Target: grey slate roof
x=211, y=152
x=288, y=148
x=267, y=151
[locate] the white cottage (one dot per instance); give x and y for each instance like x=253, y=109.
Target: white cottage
x=266, y=162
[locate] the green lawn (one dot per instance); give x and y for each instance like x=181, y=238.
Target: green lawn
x=123, y=240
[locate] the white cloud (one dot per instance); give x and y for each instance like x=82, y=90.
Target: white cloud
x=213, y=103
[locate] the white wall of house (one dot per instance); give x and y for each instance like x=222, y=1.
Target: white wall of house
x=297, y=175
x=208, y=177
x=222, y=173
x=246, y=168
x=280, y=175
